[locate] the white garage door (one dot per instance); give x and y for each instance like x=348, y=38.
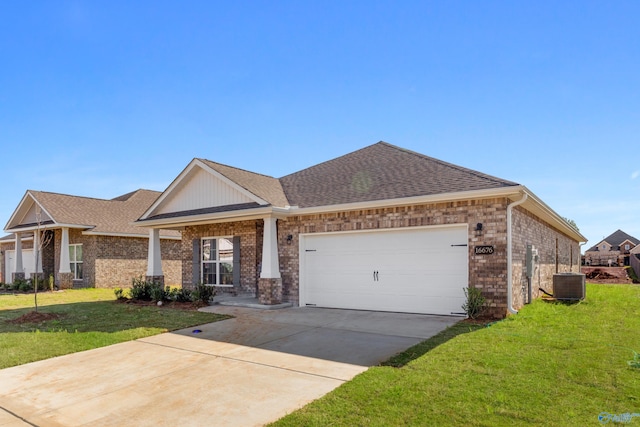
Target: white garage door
x=28, y=263
x=413, y=270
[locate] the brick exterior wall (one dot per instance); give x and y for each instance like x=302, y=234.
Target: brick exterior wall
x=486, y=272
x=250, y=233
x=118, y=260
x=557, y=254
x=110, y=261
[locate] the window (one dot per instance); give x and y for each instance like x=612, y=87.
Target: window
x=217, y=261
x=75, y=261
x=627, y=247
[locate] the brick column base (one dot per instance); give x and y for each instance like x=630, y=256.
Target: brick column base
x=65, y=280
x=17, y=276
x=155, y=279
x=270, y=291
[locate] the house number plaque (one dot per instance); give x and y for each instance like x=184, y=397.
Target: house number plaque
x=484, y=250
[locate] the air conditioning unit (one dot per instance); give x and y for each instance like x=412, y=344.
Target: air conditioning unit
x=569, y=286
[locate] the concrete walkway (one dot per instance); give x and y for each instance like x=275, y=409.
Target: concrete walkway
x=245, y=371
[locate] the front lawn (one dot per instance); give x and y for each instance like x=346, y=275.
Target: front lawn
x=87, y=318
x=552, y=364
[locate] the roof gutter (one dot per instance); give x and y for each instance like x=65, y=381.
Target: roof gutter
x=510, y=253
x=416, y=200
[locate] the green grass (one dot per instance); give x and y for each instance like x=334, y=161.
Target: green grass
x=552, y=364
x=90, y=318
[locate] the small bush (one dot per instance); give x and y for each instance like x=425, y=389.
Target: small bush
x=203, y=294
x=22, y=285
x=158, y=293
x=474, y=305
x=119, y=293
x=140, y=289
x=183, y=295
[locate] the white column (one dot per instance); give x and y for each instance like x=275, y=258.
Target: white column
x=37, y=253
x=154, y=260
x=17, y=262
x=270, y=261
x=65, y=265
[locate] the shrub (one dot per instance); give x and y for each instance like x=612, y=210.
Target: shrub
x=140, y=289
x=183, y=295
x=119, y=293
x=474, y=305
x=157, y=292
x=203, y=293
x=22, y=285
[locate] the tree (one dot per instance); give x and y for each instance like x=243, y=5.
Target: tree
x=41, y=239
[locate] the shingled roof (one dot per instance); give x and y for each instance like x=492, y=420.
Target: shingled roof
x=97, y=216
x=378, y=172
x=615, y=240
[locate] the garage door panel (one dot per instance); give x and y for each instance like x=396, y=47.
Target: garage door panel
x=420, y=270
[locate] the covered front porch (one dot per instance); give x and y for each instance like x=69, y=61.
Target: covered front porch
x=44, y=255
x=241, y=255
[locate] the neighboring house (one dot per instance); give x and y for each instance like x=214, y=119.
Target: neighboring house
x=91, y=242
x=613, y=250
x=382, y=228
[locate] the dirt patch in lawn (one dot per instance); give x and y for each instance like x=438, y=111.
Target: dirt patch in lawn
x=606, y=274
x=35, y=317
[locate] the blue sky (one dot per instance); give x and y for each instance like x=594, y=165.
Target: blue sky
x=99, y=98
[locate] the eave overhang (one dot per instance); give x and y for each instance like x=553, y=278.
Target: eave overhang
x=533, y=205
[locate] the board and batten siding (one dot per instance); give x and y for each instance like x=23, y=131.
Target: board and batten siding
x=202, y=189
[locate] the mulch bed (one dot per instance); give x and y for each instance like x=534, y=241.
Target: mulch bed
x=172, y=304
x=35, y=317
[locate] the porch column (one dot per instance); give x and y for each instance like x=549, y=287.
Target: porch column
x=154, y=258
x=270, y=283
x=37, y=252
x=65, y=276
x=18, y=270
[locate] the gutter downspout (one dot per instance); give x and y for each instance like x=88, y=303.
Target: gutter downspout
x=510, y=254
x=580, y=260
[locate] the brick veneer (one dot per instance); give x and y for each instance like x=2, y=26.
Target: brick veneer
x=270, y=291
x=557, y=252
x=250, y=233
x=486, y=272
x=110, y=261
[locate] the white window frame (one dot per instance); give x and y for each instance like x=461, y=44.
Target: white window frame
x=217, y=260
x=74, y=263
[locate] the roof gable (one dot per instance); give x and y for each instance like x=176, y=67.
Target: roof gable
x=28, y=212
x=381, y=172
x=205, y=185
x=615, y=239
x=95, y=216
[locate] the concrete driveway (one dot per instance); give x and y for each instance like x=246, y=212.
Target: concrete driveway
x=245, y=371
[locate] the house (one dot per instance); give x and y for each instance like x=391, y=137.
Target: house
x=613, y=250
x=382, y=228
x=85, y=241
